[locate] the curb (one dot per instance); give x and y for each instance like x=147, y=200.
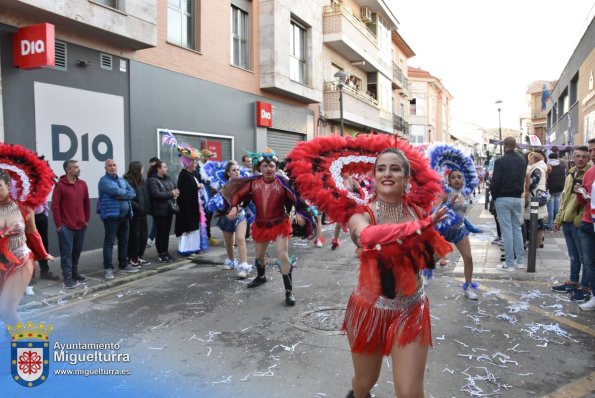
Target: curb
x=83, y=291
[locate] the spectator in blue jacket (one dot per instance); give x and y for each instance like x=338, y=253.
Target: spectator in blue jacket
x=115, y=211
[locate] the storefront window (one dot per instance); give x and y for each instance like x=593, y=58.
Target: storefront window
x=169, y=154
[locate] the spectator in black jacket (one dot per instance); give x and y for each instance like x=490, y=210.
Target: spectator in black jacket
x=162, y=189
x=141, y=206
x=555, y=186
x=507, y=187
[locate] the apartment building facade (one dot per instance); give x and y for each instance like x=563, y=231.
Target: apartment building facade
x=536, y=121
x=125, y=72
x=429, y=116
x=402, y=52
x=571, y=111
x=358, y=58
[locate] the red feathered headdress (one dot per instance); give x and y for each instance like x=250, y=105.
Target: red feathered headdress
x=31, y=175
x=316, y=166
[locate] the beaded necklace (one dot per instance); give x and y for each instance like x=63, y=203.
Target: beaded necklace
x=393, y=212
x=7, y=208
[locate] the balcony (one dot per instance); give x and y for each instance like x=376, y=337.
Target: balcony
x=359, y=109
x=400, y=125
x=346, y=34
x=397, y=76
x=135, y=28
x=538, y=114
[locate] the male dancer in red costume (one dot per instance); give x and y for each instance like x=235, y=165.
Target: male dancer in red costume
x=273, y=199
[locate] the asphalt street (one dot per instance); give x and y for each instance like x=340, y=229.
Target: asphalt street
x=197, y=331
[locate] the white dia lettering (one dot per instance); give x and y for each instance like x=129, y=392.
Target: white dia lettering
x=32, y=47
x=265, y=115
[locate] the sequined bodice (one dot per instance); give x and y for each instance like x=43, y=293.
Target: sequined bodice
x=17, y=240
x=461, y=204
x=269, y=199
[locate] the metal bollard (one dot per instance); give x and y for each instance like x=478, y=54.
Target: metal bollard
x=532, y=252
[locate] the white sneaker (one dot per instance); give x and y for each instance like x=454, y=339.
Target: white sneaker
x=521, y=266
x=506, y=268
x=426, y=281
x=108, y=273
x=29, y=291
x=318, y=243
x=470, y=294
x=229, y=264
x=243, y=270
x=589, y=305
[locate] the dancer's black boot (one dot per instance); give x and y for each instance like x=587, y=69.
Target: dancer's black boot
x=289, y=297
x=352, y=395
x=260, y=278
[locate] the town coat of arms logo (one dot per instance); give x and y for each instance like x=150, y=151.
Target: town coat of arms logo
x=30, y=353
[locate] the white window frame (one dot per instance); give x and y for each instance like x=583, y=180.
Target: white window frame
x=187, y=33
x=240, y=37
x=298, y=63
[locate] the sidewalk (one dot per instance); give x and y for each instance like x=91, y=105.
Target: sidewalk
x=49, y=293
x=552, y=262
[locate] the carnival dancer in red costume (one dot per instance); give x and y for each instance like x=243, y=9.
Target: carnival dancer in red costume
x=274, y=200
x=388, y=312
x=20, y=243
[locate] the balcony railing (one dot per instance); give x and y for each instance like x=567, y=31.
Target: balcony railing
x=400, y=124
x=354, y=92
x=338, y=9
x=397, y=74
x=359, y=108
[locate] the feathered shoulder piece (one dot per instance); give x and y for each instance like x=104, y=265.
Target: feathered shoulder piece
x=317, y=168
x=445, y=158
x=31, y=175
x=214, y=174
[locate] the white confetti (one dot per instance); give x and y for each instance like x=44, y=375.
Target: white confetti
x=509, y=318
x=461, y=343
x=225, y=380
x=286, y=348
x=518, y=307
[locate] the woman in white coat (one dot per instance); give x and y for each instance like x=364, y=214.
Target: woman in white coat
x=535, y=185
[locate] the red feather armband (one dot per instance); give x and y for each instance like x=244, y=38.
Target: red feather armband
x=36, y=245
x=389, y=233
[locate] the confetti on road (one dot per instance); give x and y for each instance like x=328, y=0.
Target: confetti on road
x=225, y=380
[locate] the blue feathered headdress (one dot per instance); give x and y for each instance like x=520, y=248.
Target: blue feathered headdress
x=215, y=173
x=446, y=158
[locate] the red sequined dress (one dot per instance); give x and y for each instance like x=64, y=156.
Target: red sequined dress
x=273, y=201
x=14, y=252
x=389, y=305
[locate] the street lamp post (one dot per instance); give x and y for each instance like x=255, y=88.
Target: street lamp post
x=499, y=104
x=341, y=75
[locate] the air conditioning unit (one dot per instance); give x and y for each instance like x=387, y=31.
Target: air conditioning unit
x=366, y=14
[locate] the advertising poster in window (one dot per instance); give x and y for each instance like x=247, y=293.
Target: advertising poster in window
x=87, y=126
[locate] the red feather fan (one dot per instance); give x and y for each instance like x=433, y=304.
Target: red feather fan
x=31, y=175
x=316, y=166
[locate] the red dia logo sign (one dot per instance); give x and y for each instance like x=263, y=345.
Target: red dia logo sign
x=264, y=114
x=34, y=47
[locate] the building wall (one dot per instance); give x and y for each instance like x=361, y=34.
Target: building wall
x=586, y=100
x=134, y=25
x=212, y=60
x=163, y=99
x=581, y=54
x=275, y=23
x=22, y=126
